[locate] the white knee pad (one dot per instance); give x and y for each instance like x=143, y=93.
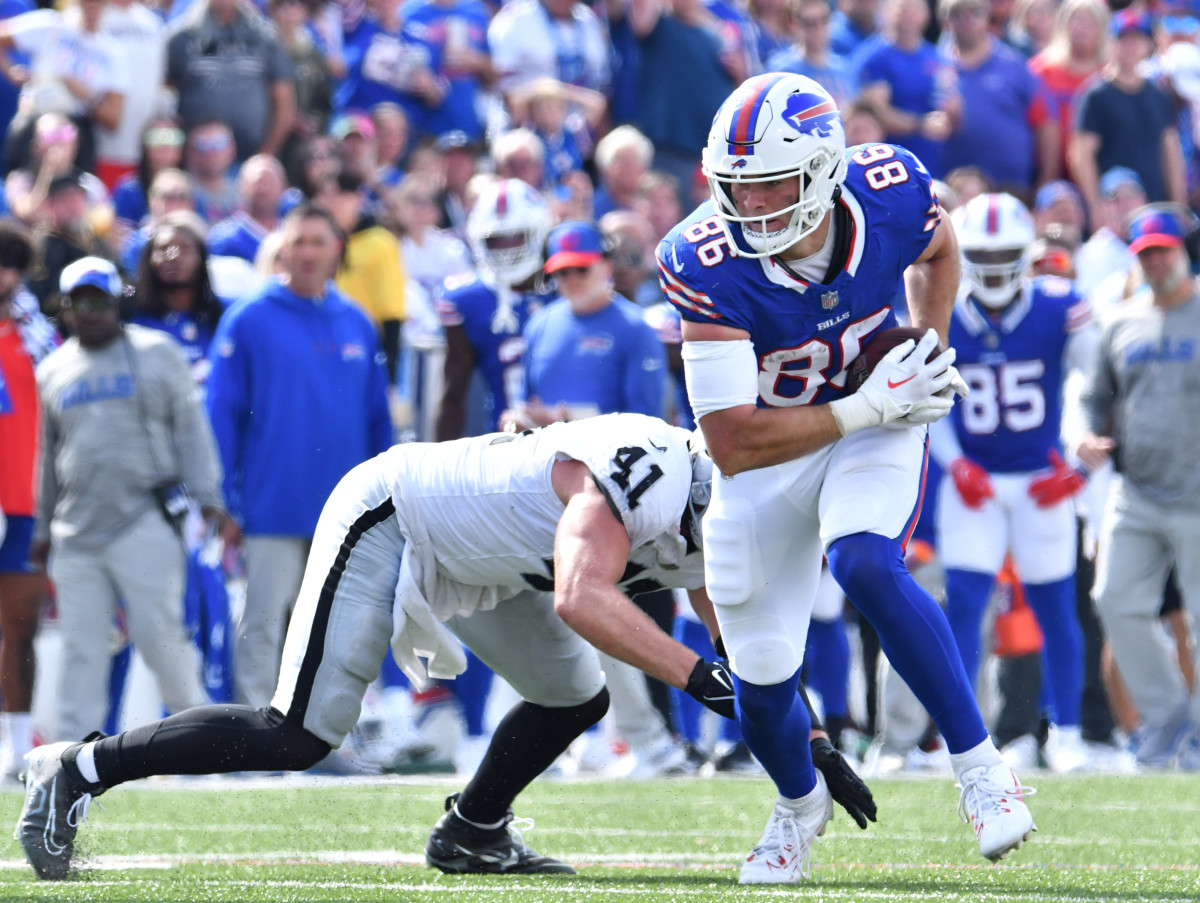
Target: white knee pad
x=732, y=566
x=765, y=659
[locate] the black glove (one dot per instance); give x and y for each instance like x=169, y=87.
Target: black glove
x=719, y=645
x=844, y=785
x=711, y=685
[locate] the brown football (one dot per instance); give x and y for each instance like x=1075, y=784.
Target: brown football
x=879, y=345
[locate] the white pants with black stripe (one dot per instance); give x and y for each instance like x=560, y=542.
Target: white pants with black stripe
x=342, y=621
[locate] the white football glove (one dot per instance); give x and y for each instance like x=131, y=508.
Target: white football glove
x=936, y=407
x=900, y=382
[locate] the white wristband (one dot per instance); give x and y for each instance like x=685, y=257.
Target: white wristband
x=854, y=413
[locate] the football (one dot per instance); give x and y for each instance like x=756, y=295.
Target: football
x=881, y=343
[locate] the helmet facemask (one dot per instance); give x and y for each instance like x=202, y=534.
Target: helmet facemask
x=818, y=177
x=995, y=274
x=507, y=231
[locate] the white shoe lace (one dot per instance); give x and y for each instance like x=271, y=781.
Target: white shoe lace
x=983, y=791
x=779, y=830
x=76, y=815
x=515, y=828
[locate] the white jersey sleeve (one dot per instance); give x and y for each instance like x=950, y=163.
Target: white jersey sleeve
x=642, y=466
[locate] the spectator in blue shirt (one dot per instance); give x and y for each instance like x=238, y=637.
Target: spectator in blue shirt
x=390, y=60
x=623, y=156
x=687, y=70
x=910, y=83
x=261, y=183
x=1002, y=130
x=589, y=352
x=811, y=54
x=162, y=148
x=297, y=397
x=854, y=21
x=1124, y=120
x=458, y=31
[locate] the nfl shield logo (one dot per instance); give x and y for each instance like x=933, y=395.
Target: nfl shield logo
x=829, y=300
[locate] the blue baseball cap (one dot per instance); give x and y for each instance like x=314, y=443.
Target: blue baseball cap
x=1128, y=20
x=1154, y=229
x=573, y=244
x=94, y=271
x=1118, y=176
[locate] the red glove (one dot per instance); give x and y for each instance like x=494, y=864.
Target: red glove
x=1059, y=484
x=972, y=482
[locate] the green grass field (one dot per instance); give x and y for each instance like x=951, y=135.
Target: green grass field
x=1100, y=839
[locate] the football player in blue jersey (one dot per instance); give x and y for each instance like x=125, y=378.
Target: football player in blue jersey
x=1016, y=338
x=484, y=315
x=781, y=279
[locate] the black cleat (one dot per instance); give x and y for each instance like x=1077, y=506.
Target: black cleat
x=55, y=805
x=457, y=847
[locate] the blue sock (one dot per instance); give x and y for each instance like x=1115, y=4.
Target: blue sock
x=1062, y=655
x=776, y=725
x=685, y=711
x=913, y=633
x=827, y=664
x=472, y=688
x=967, y=595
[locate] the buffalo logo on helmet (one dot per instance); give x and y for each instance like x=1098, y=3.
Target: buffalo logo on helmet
x=811, y=114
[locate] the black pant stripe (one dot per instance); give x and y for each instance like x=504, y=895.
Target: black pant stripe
x=316, y=638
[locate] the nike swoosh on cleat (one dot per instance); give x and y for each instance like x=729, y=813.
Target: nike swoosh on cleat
x=892, y=385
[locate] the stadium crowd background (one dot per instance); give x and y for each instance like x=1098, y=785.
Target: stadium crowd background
x=172, y=141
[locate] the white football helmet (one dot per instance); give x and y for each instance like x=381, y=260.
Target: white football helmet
x=507, y=230
x=776, y=126
x=996, y=236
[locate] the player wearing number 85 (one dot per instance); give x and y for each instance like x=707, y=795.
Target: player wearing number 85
x=1017, y=338
x=781, y=279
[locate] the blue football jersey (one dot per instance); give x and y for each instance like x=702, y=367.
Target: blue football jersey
x=495, y=334
x=806, y=334
x=1014, y=367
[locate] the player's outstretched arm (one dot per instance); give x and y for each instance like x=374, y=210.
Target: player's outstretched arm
x=591, y=550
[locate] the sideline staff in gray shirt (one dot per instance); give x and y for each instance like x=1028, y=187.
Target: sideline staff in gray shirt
x=1142, y=406
x=120, y=418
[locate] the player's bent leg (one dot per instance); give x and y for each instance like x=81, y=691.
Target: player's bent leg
x=916, y=638
x=471, y=838
x=62, y=779
x=913, y=632
x=558, y=676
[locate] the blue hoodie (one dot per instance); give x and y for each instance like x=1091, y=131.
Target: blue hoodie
x=297, y=396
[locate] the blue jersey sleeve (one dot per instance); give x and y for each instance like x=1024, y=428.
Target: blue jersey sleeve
x=692, y=260
x=896, y=193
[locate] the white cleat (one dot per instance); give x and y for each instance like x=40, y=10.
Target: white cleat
x=782, y=855
x=1066, y=752
x=993, y=803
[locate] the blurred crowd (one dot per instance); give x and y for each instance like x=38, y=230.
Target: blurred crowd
x=186, y=159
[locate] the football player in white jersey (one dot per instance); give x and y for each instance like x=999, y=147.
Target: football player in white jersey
x=1007, y=487
x=523, y=546
x=781, y=278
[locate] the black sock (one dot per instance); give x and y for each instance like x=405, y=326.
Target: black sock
x=525, y=744
x=211, y=739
